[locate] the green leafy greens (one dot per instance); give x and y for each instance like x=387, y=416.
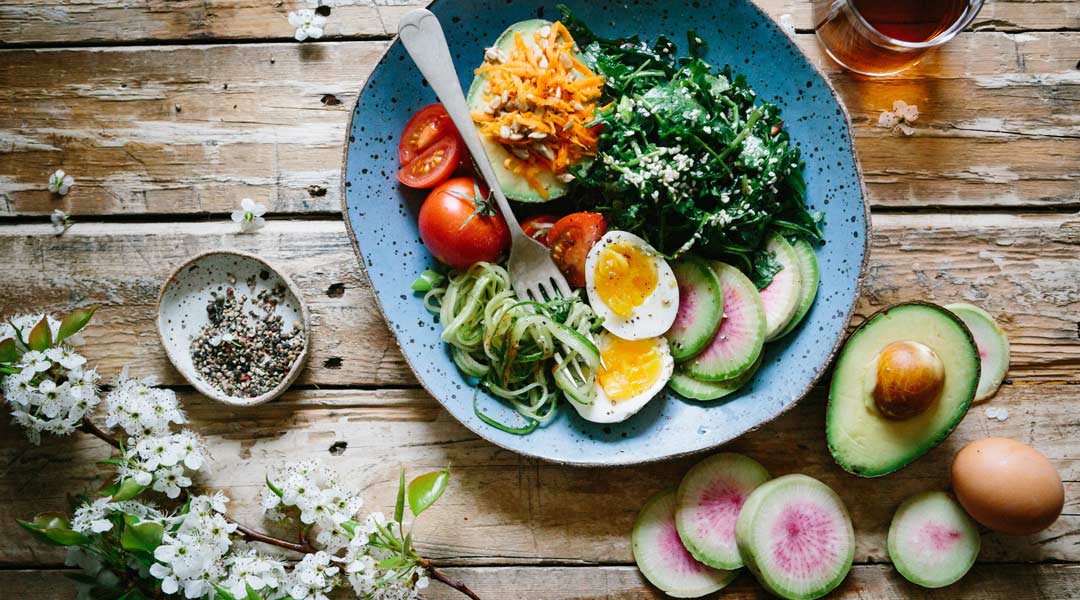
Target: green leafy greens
x=687, y=158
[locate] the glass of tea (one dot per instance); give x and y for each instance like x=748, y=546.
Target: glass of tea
x=882, y=37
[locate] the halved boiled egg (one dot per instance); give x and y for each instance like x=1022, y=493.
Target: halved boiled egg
x=632, y=372
x=631, y=286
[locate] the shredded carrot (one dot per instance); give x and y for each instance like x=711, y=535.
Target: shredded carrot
x=539, y=100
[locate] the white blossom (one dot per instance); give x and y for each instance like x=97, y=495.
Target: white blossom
x=60, y=182
x=60, y=221
x=308, y=24
x=50, y=392
x=142, y=410
x=249, y=568
x=313, y=492
x=192, y=553
x=900, y=118
x=314, y=577
x=367, y=580
x=249, y=216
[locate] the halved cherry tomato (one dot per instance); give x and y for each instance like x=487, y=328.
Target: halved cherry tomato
x=459, y=227
x=434, y=165
x=424, y=129
x=570, y=240
x=538, y=227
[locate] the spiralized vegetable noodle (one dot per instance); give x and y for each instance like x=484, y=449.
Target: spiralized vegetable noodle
x=523, y=352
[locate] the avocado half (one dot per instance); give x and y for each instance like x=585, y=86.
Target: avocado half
x=514, y=186
x=861, y=439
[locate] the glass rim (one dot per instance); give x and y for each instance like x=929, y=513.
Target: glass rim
x=974, y=6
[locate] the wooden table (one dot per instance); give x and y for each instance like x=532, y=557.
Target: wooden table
x=168, y=113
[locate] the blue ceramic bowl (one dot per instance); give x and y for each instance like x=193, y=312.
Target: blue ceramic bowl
x=381, y=216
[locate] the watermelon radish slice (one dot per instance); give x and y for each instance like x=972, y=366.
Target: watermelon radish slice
x=932, y=541
x=781, y=296
x=811, y=277
x=695, y=389
x=993, y=347
x=701, y=306
x=707, y=505
x=738, y=342
x=661, y=557
x=795, y=536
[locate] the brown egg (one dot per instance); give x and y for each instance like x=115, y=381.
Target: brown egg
x=1007, y=486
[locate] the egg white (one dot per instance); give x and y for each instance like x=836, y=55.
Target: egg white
x=651, y=318
x=603, y=410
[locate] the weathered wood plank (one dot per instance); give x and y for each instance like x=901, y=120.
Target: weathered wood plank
x=62, y=21
x=1020, y=267
x=880, y=582
x=540, y=513
x=170, y=130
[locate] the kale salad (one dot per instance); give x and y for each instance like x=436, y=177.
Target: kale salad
x=687, y=157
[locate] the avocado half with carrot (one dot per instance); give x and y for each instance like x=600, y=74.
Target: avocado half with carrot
x=903, y=381
x=515, y=162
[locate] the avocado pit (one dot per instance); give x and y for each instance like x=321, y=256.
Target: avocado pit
x=909, y=379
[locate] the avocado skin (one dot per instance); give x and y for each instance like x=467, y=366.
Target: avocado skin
x=836, y=443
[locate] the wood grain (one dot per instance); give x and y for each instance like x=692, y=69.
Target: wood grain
x=61, y=21
x=505, y=509
x=1020, y=267
x=193, y=129
x=880, y=582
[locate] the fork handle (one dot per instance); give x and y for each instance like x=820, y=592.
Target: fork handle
x=425, y=42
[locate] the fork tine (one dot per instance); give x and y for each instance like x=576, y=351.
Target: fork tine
x=562, y=286
x=545, y=289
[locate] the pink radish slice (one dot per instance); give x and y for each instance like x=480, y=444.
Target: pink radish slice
x=932, y=541
x=795, y=536
x=708, y=503
x=781, y=297
x=741, y=337
x=662, y=558
x=701, y=307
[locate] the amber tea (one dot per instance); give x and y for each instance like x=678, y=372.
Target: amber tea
x=881, y=37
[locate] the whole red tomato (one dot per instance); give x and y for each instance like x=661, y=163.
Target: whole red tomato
x=460, y=227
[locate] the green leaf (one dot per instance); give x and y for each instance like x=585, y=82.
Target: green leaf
x=399, y=506
x=145, y=537
x=128, y=489
x=223, y=593
x=350, y=526
x=425, y=490
x=74, y=322
x=40, y=336
x=252, y=594
x=274, y=488
x=392, y=562
x=53, y=528
x=9, y=351
x=8, y=370
x=111, y=461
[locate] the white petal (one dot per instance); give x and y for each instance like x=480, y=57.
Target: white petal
x=301, y=34
x=906, y=129
x=315, y=32
x=258, y=210
x=318, y=20
x=237, y=216
x=911, y=113
x=899, y=106
x=888, y=119
x=295, y=19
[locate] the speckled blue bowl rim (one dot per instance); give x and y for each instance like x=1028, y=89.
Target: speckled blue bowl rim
x=483, y=431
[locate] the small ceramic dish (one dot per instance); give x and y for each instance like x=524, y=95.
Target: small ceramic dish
x=181, y=312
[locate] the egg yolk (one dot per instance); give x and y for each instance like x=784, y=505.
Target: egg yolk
x=624, y=277
x=629, y=367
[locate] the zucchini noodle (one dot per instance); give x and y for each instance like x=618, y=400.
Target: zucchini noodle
x=523, y=352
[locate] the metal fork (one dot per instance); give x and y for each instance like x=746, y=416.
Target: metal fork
x=532, y=272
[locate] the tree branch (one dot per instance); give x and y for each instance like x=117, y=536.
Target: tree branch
x=441, y=577
x=89, y=427
x=251, y=535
